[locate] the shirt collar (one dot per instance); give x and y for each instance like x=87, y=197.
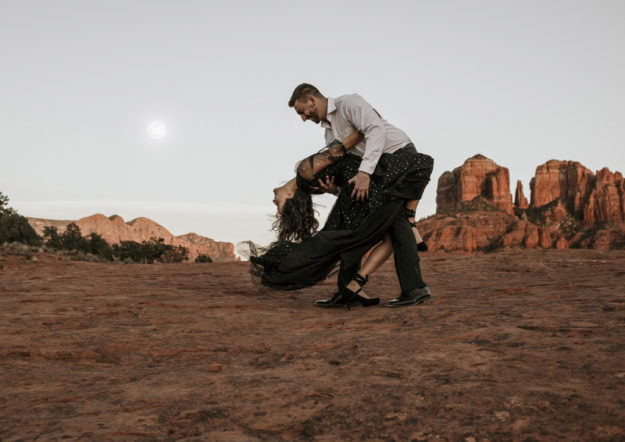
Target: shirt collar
x=331, y=109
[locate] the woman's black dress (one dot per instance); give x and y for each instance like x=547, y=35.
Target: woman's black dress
x=353, y=227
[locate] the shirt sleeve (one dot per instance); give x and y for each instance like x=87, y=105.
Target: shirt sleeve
x=364, y=119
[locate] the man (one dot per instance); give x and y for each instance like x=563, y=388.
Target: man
x=340, y=117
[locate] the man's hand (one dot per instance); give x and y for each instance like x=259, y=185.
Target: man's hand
x=328, y=186
x=361, y=186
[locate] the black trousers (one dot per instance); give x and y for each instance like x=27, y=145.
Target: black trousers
x=405, y=255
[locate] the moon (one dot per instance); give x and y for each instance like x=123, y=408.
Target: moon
x=157, y=130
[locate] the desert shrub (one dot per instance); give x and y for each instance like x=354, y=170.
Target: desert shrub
x=72, y=239
x=175, y=254
x=14, y=227
x=148, y=252
x=129, y=251
x=203, y=258
x=99, y=247
x=52, y=238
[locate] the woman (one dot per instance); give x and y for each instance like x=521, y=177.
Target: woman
x=300, y=258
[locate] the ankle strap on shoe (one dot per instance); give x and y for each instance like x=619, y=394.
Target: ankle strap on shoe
x=361, y=280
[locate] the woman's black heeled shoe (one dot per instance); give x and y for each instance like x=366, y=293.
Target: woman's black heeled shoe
x=350, y=296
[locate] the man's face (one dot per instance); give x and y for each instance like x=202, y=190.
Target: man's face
x=308, y=109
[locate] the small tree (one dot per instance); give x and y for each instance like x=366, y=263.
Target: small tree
x=203, y=258
x=15, y=227
x=72, y=238
x=148, y=252
x=175, y=254
x=4, y=201
x=98, y=246
x=51, y=235
x=129, y=250
x=155, y=248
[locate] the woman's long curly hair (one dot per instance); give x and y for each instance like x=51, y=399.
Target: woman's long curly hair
x=297, y=221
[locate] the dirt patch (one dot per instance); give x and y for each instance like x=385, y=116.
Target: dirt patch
x=514, y=345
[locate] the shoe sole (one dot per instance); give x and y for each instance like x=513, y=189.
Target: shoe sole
x=417, y=301
x=357, y=304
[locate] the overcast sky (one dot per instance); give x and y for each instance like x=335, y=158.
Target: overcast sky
x=521, y=82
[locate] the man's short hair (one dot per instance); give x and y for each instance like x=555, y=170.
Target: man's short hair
x=302, y=91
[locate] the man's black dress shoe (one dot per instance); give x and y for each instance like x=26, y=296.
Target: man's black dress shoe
x=411, y=297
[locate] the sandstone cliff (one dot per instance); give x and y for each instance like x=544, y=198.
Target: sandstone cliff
x=113, y=229
x=219, y=251
x=567, y=181
x=606, y=202
x=477, y=177
x=570, y=207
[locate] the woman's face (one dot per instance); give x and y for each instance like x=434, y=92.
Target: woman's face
x=281, y=194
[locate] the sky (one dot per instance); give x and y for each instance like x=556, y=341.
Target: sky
x=521, y=82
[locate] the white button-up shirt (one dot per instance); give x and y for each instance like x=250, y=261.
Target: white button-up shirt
x=350, y=113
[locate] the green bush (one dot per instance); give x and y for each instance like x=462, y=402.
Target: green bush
x=175, y=254
x=98, y=246
x=72, y=239
x=203, y=258
x=148, y=252
x=14, y=227
x=51, y=235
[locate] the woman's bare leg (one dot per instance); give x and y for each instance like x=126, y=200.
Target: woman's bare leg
x=376, y=258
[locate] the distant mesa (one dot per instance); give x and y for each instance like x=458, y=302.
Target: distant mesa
x=570, y=207
x=114, y=230
x=477, y=177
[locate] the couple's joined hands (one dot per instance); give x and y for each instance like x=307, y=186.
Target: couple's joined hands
x=361, y=186
x=328, y=186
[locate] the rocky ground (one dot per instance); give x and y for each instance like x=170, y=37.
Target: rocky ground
x=525, y=345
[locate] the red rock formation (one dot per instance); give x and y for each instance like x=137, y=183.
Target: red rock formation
x=477, y=177
x=527, y=235
x=571, y=207
x=607, y=199
x=520, y=201
x=567, y=181
x=114, y=230
x=219, y=251
x=477, y=226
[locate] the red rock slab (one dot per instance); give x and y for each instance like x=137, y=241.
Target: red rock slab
x=516, y=345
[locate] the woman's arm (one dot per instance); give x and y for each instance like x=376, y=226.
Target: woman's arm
x=310, y=166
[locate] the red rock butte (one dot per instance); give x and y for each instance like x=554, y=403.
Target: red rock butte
x=570, y=207
x=114, y=230
x=478, y=176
